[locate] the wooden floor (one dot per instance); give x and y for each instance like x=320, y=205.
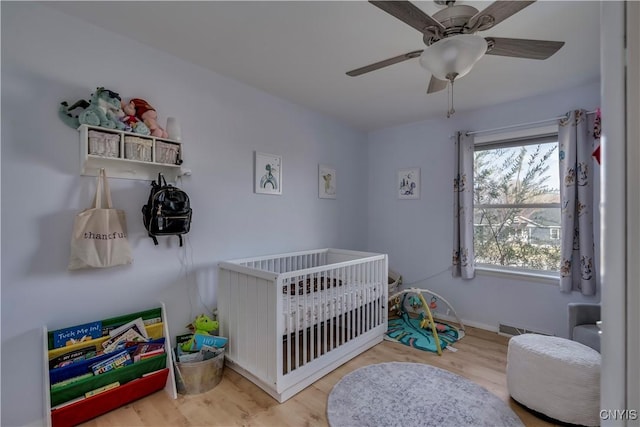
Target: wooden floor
x=481, y=357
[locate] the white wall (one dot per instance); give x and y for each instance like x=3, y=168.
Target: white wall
x=417, y=234
x=48, y=57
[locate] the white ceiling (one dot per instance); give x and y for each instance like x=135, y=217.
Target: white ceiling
x=301, y=50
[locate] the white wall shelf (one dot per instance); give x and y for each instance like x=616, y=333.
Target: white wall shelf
x=121, y=163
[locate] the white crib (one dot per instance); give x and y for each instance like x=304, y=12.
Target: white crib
x=293, y=318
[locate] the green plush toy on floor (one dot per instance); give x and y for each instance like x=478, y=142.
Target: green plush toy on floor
x=202, y=325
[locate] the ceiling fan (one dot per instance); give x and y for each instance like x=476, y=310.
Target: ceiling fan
x=453, y=46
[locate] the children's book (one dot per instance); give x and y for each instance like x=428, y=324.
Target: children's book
x=152, y=321
x=148, y=354
x=68, y=358
x=147, y=350
x=117, y=361
x=181, y=339
x=102, y=389
x=76, y=334
x=138, y=323
x=184, y=357
x=209, y=340
x=119, y=341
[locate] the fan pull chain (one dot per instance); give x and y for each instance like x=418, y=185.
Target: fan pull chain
x=450, y=110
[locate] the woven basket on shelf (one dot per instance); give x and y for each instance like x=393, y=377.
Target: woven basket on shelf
x=167, y=152
x=136, y=148
x=104, y=144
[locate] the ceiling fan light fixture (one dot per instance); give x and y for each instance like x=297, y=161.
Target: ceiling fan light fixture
x=454, y=56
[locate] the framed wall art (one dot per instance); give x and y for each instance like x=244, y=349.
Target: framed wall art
x=268, y=174
x=408, y=186
x=326, y=182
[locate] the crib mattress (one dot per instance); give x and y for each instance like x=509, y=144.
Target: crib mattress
x=307, y=309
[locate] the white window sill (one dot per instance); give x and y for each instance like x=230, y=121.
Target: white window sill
x=530, y=276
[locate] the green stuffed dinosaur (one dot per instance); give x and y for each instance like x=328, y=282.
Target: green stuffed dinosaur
x=104, y=110
x=202, y=325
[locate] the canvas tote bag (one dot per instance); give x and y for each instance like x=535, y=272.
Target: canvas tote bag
x=99, y=236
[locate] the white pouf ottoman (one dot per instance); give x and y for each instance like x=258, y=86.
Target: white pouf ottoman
x=555, y=376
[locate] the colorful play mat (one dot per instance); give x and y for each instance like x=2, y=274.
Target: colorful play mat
x=411, y=321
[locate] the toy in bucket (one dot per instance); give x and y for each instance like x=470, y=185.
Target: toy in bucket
x=201, y=328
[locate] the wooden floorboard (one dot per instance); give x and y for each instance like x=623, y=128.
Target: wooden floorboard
x=481, y=357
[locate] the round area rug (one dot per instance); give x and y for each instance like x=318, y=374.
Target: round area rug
x=414, y=394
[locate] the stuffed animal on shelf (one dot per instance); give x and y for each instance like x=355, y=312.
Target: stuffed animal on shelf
x=202, y=325
x=132, y=123
x=146, y=113
x=102, y=110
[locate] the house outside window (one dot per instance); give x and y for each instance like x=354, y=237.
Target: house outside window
x=517, y=204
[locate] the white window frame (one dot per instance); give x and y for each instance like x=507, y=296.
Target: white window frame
x=515, y=139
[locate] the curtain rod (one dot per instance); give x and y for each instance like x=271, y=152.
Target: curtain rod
x=522, y=124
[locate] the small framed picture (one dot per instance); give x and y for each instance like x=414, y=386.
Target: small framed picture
x=326, y=182
x=408, y=185
x=268, y=174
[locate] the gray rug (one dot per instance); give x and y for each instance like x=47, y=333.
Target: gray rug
x=414, y=394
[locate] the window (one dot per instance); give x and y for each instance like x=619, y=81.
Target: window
x=517, y=204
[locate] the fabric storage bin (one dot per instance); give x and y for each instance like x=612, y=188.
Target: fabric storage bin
x=122, y=375
x=104, y=144
x=167, y=152
x=136, y=148
x=85, y=409
x=199, y=377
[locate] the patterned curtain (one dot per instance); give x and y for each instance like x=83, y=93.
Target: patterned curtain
x=577, y=266
x=463, y=208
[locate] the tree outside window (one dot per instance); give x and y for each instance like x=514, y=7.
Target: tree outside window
x=517, y=205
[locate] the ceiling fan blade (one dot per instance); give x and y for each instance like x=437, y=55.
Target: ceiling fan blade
x=499, y=11
x=523, y=48
x=410, y=14
x=436, y=85
x=385, y=63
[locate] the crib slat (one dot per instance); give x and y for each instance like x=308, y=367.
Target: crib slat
x=376, y=294
x=363, y=291
x=305, y=323
x=362, y=300
x=332, y=316
x=241, y=319
x=250, y=310
x=262, y=328
x=324, y=321
x=382, y=281
x=289, y=324
x=311, y=327
x=370, y=301
x=296, y=343
x=351, y=302
x=339, y=308
x=343, y=307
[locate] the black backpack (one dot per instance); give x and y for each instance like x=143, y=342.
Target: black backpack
x=168, y=211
